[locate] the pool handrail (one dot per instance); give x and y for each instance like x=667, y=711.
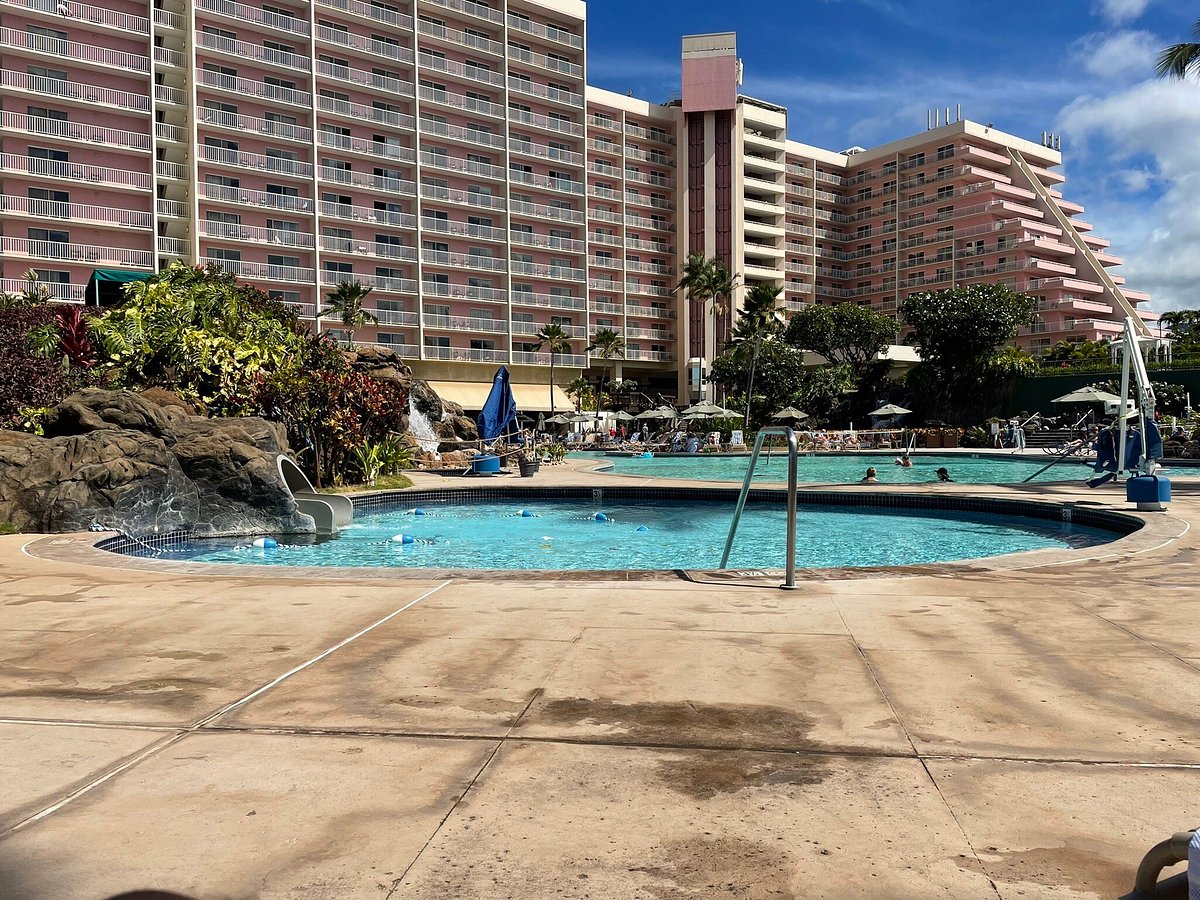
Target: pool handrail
x=793, y=455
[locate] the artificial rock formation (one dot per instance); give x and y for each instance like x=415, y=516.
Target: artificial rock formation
x=116, y=460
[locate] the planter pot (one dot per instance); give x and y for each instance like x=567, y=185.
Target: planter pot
x=933, y=440
x=950, y=440
x=528, y=467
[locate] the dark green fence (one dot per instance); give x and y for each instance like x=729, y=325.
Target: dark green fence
x=1033, y=394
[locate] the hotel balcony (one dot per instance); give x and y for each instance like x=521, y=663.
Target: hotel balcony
x=468, y=324
x=254, y=15
x=244, y=50
x=528, y=88
x=74, y=132
x=546, y=32
x=545, y=182
x=245, y=87
x=247, y=197
x=263, y=271
x=96, y=176
x=360, y=113
x=461, y=102
x=381, y=183
x=253, y=234
x=468, y=71
x=547, y=301
x=21, y=248
x=352, y=41
x=647, y=290
x=532, y=328
x=463, y=166
x=657, y=157
x=649, y=356
x=463, y=229
x=633, y=220
x=58, y=50
x=454, y=38
x=541, y=211
x=72, y=92
x=379, y=282
x=363, y=78
x=75, y=213
x=650, y=178
x=546, y=123
x=60, y=292
x=241, y=159
x=370, y=11
x=395, y=316
x=605, y=262
x=350, y=213
x=172, y=246
x=464, y=292
x=472, y=261
x=465, y=198
x=565, y=360
x=600, y=306
x=375, y=149
x=470, y=136
x=464, y=354
x=269, y=127
x=68, y=11
x=604, y=122
x=538, y=270
x=541, y=61
x=649, y=333
x=632, y=310
x=548, y=242
x=651, y=268
x=643, y=200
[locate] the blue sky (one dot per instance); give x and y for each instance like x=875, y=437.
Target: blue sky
x=865, y=72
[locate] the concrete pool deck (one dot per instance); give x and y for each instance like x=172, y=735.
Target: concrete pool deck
x=1011, y=732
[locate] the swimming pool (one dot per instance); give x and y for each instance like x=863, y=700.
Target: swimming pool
x=649, y=534
x=846, y=468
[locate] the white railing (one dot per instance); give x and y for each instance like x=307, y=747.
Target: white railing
x=542, y=211
x=75, y=212
x=650, y=355
x=379, y=282
x=462, y=260
x=74, y=131
x=368, y=214
x=546, y=182
x=81, y=253
x=168, y=132
x=171, y=170
x=171, y=208
x=247, y=87
x=381, y=149
x=570, y=360
x=270, y=271
x=550, y=123
x=475, y=42
x=82, y=12
x=368, y=248
x=649, y=312
x=460, y=101
x=168, y=57
x=542, y=151
x=237, y=232
x=539, y=270
x=469, y=135
x=544, y=92
x=247, y=197
x=549, y=32
x=117, y=59
x=374, y=182
x=548, y=242
x=365, y=78
x=542, y=61
x=371, y=11
x=164, y=94
x=455, y=164
x=661, y=136
x=370, y=113
x=574, y=331
x=462, y=70
x=463, y=291
x=255, y=14
x=73, y=90
x=604, y=122
x=453, y=195
x=366, y=45
x=463, y=229
x=650, y=290
x=547, y=301
x=60, y=292
x=650, y=333
x=257, y=52
x=285, y=130
x=466, y=323
x=172, y=246
x=52, y=168
x=466, y=354
x=244, y=160
x=395, y=316
x=482, y=10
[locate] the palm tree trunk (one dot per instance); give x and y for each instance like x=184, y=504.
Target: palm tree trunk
x=551, y=384
x=750, y=384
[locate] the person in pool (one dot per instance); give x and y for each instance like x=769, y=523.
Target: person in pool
x=904, y=462
x=944, y=475
x=870, y=477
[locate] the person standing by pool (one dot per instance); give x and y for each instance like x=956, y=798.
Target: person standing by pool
x=870, y=477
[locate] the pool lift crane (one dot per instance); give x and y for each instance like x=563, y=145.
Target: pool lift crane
x=1136, y=456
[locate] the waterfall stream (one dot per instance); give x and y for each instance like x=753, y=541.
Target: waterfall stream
x=421, y=428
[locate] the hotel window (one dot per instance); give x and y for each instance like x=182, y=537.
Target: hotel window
x=223, y=255
x=482, y=344
x=944, y=192
x=889, y=167
x=337, y=66
x=437, y=342
x=945, y=151
x=332, y=267
x=916, y=159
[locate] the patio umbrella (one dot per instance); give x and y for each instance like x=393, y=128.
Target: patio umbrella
x=581, y=417
x=711, y=411
x=890, y=409
x=1087, y=395
x=790, y=413
x=622, y=416
x=560, y=419
x=659, y=412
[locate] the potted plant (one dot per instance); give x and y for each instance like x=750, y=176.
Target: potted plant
x=528, y=462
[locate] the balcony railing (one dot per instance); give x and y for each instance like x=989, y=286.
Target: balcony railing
x=453, y=195
x=462, y=260
x=267, y=271
x=461, y=101
x=471, y=8
x=74, y=51
x=74, y=212
x=366, y=79
x=52, y=168
x=256, y=234
x=569, y=360
x=69, y=10
x=368, y=214
x=649, y=311
x=60, y=292
x=547, y=301
x=458, y=133
x=257, y=52
x=650, y=355
x=457, y=164
x=368, y=113
x=467, y=70
x=541, y=211
x=256, y=15
x=548, y=242
x=466, y=323
x=73, y=90
x=544, y=152
x=244, y=160
x=379, y=282
x=464, y=354
x=383, y=183
x=371, y=11
x=368, y=248
x=469, y=292
x=74, y=131
x=539, y=270
x=566, y=67
x=549, y=32
x=550, y=123
x=463, y=229
x=545, y=92
x=172, y=246
x=171, y=208
x=381, y=149
x=285, y=130
x=546, y=182
x=248, y=88
x=66, y=251
x=365, y=44
x=453, y=35
x=661, y=136
x=247, y=197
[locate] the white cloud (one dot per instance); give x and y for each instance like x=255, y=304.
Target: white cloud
x=1152, y=121
x=1119, y=54
x=1119, y=11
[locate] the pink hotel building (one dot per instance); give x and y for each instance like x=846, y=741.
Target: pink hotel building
x=450, y=154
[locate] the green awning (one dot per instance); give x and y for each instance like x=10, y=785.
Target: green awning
x=106, y=286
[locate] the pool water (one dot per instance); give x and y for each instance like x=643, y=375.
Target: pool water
x=565, y=535
x=845, y=469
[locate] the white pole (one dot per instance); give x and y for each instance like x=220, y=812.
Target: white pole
x=1122, y=409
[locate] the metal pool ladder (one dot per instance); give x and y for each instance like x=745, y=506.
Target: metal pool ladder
x=789, y=583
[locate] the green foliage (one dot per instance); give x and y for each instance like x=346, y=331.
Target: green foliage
x=346, y=305
x=369, y=460
x=962, y=333
x=706, y=281
x=329, y=415
x=1072, y=352
x=608, y=345
x=200, y=333
x=35, y=293
x=844, y=333
x=781, y=380
x=1180, y=60
x=1170, y=399
x=8, y=528
x=395, y=455
x=1184, y=329
x=554, y=341
x=27, y=380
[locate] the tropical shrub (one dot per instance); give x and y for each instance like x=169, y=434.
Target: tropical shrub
x=29, y=381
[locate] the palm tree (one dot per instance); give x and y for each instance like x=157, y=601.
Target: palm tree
x=707, y=281
x=762, y=320
x=608, y=345
x=1180, y=60
x=554, y=340
x=346, y=302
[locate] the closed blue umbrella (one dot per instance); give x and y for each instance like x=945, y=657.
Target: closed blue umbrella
x=499, y=413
